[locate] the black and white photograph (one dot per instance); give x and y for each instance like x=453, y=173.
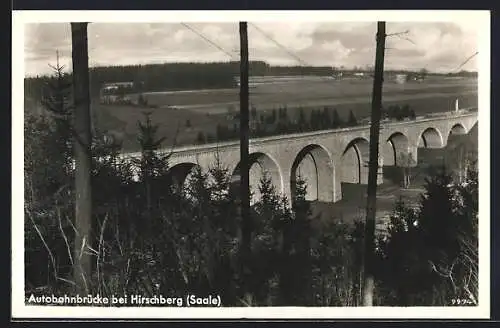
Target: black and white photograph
x=251, y=164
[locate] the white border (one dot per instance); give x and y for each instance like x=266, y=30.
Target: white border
x=480, y=18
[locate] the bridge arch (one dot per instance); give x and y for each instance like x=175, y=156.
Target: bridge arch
x=261, y=164
x=431, y=138
x=354, y=161
x=314, y=164
x=456, y=135
x=394, y=149
x=180, y=175
x=458, y=129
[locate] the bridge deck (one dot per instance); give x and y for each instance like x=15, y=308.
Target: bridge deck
x=466, y=112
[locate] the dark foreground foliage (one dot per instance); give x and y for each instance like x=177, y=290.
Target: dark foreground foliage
x=154, y=235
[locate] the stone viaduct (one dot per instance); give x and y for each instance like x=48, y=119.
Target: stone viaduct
x=327, y=158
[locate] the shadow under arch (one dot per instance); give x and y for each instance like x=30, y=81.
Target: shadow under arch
x=456, y=134
x=354, y=161
x=261, y=164
x=314, y=164
x=179, y=175
x=430, y=138
x=458, y=129
x=395, y=146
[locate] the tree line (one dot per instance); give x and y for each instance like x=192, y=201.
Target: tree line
x=399, y=113
x=153, y=234
x=177, y=76
x=278, y=121
x=186, y=76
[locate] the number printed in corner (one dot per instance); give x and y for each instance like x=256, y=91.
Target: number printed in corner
x=462, y=301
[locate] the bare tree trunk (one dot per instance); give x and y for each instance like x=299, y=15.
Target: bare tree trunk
x=83, y=205
x=246, y=229
x=369, y=283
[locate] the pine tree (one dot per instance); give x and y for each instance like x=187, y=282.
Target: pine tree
x=352, y=121
x=313, y=120
x=153, y=166
x=210, y=138
x=200, y=138
x=210, y=232
x=221, y=180
x=403, y=268
x=437, y=218
x=286, y=120
x=57, y=101
x=253, y=113
x=295, y=287
x=235, y=132
x=219, y=133
x=141, y=100
x=431, y=252
x=412, y=114
x=273, y=116
x=406, y=111
x=326, y=119
x=302, y=123
x=152, y=163
x=336, y=120
x=268, y=222
x=262, y=119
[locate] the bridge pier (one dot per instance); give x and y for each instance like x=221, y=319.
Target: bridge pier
x=364, y=172
x=393, y=169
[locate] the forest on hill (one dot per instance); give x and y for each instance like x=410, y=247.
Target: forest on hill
x=188, y=76
x=178, y=76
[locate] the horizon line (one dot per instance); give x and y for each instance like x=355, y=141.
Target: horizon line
x=335, y=68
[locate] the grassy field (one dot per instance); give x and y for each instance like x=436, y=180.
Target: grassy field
x=204, y=109
x=308, y=93
x=122, y=122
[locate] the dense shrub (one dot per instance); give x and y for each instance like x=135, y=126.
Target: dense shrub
x=431, y=254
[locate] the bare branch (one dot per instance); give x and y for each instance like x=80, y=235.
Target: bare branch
x=73, y=226
x=397, y=33
x=64, y=235
x=67, y=281
x=82, y=247
x=100, y=250
x=407, y=39
x=45, y=244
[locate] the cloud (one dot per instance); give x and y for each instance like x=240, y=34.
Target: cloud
x=41, y=43
x=435, y=46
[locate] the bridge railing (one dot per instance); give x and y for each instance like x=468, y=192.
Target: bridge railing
x=460, y=112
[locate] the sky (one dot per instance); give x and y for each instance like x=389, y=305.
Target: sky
x=434, y=46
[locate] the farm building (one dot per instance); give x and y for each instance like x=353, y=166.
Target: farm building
x=401, y=78
x=116, y=92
